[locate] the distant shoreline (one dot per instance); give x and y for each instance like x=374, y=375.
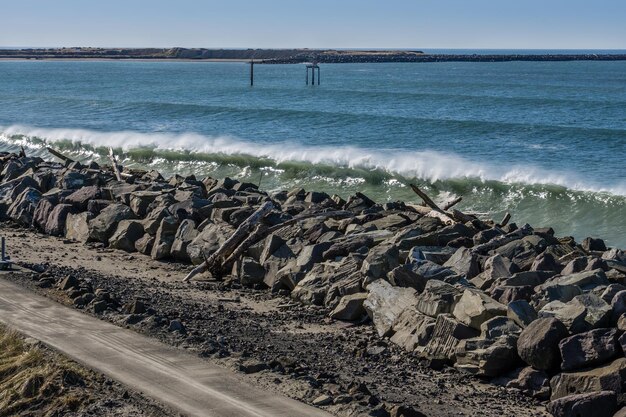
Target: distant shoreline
x=285, y=56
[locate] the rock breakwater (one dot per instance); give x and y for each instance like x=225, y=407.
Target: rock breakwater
x=510, y=303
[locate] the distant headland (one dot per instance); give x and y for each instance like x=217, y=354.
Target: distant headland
x=289, y=56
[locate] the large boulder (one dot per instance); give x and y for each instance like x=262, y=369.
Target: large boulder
x=77, y=226
x=42, y=212
x=609, y=377
x=102, y=226
x=127, y=233
x=475, y=307
x=350, y=307
x=55, y=225
x=185, y=234
x=417, y=274
x=380, y=260
x=446, y=336
x=437, y=298
x=488, y=357
x=139, y=201
x=538, y=344
x=412, y=329
x=164, y=238
x=23, y=207
x=585, y=312
x=208, y=241
x=464, y=262
x=250, y=272
x=596, y=404
x=521, y=312
x=80, y=198
x=385, y=303
x=588, y=349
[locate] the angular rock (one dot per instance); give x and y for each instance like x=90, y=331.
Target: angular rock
x=144, y=244
x=81, y=197
x=77, y=226
x=446, y=335
x=585, y=312
x=250, y=272
x=350, y=307
x=23, y=207
x=474, y=308
x=499, y=326
x=437, y=298
x=208, y=241
x=538, y=344
x=596, y=404
x=102, y=226
x=185, y=234
x=412, y=329
x=385, y=303
x=380, y=260
x=487, y=357
x=417, y=274
x=164, y=238
x=588, y=349
x=609, y=377
x=55, y=225
x=126, y=234
x=521, y=312
x=464, y=262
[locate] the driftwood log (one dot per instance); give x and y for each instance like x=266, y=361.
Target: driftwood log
x=116, y=170
x=59, y=155
x=214, y=263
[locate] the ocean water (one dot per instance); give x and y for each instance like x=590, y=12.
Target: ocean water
x=545, y=141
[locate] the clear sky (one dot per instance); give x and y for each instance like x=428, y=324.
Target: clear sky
x=534, y=24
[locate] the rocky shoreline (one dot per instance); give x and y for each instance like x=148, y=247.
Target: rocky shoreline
x=511, y=304
x=290, y=56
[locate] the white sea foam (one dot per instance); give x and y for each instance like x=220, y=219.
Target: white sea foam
x=424, y=164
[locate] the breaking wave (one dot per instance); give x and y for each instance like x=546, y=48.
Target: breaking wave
x=336, y=162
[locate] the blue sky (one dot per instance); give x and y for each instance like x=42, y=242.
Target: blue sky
x=541, y=24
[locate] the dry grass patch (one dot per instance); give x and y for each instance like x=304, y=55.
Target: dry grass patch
x=37, y=381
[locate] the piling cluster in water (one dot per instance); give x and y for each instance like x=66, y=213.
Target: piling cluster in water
x=511, y=303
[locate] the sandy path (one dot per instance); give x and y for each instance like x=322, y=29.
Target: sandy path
x=182, y=381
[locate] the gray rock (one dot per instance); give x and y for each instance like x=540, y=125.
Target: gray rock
x=538, y=344
x=176, y=326
x=208, y=241
x=55, y=225
x=488, y=357
x=588, y=349
x=139, y=201
x=42, y=212
x=521, y=312
x=618, y=306
x=380, y=260
x=185, y=234
x=81, y=197
x=144, y=244
x=499, y=326
x=496, y=269
x=437, y=298
x=593, y=245
x=77, y=226
x=385, y=303
x=153, y=220
x=417, y=274
x=412, y=329
x=102, y=226
x=609, y=377
x=446, y=335
x=464, y=262
x=350, y=307
x=250, y=272
x=23, y=207
x=475, y=307
x=586, y=280
x=126, y=234
x=596, y=404
x=531, y=382
x=164, y=238
x=585, y=312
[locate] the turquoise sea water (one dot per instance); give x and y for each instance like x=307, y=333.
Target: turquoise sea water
x=543, y=140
